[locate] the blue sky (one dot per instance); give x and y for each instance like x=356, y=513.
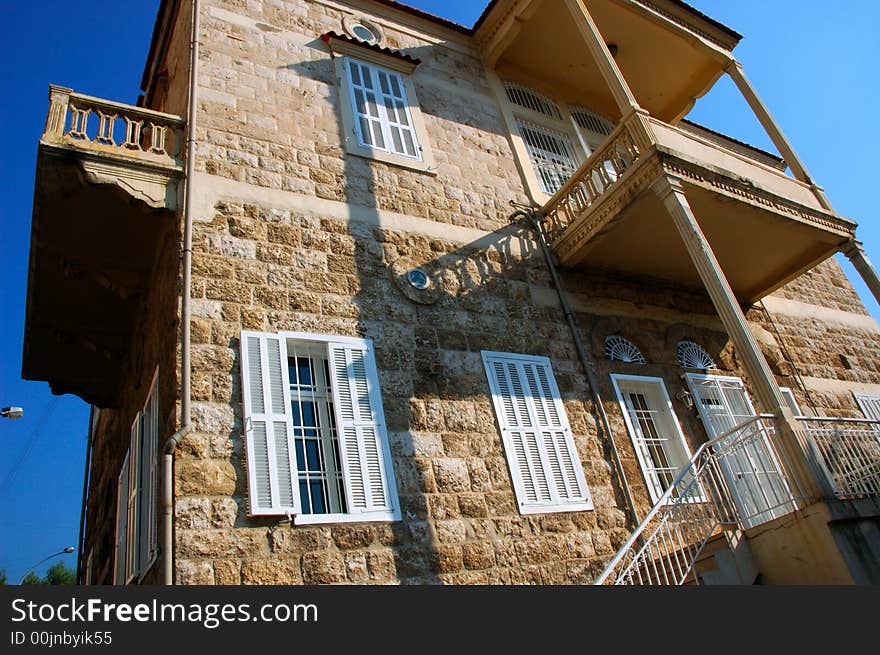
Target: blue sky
x=812, y=62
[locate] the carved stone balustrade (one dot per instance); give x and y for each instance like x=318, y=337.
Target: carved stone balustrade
x=139, y=149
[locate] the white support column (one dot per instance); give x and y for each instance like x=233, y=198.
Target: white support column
x=736, y=73
x=763, y=383
x=623, y=95
x=855, y=251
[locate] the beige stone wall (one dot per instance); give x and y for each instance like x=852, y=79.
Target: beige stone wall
x=292, y=234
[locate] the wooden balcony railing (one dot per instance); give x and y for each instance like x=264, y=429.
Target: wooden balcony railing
x=115, y=129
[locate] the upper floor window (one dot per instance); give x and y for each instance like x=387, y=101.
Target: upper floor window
x=557, y=138
x=314, y=429
x=381, y=119
x=382, y=116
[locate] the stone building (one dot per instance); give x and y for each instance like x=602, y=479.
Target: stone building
x=360, y=295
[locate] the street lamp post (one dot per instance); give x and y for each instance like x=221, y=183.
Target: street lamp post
x=66, y=551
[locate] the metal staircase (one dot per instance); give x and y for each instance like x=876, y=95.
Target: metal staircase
x=731, y=483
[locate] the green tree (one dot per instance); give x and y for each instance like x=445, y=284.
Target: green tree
x=31, y=578
x=60, y=574
x=2, y=576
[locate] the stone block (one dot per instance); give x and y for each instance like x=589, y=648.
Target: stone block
x=271, y=572
x=323, y=568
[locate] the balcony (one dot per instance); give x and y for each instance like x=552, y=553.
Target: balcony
x=105, y=197
x=764, y=227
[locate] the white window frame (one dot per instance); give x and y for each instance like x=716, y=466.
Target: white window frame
x=773, y=474
x=579, y=497
x=139, y=547
x=652, y=481
x=344, y=52
x=334, y=346
x=584, y=141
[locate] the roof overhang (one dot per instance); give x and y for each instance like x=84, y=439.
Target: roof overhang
x=669, y=53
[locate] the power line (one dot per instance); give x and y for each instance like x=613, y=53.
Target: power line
x=31, y=442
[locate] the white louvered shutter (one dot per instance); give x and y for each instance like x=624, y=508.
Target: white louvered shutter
x=870, y=405
x=148, y=543
x=363, y=443
x=133, y=536
x=271, y=461
x=121, y=522
x=544, y=464
x=381, y=110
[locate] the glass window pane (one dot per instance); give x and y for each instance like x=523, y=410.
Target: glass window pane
x=355, y=72
x=395, y=87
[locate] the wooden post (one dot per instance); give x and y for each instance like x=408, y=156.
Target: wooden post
x=623, y=95
x=735, y=71
x=855, y=251
x=770, y=399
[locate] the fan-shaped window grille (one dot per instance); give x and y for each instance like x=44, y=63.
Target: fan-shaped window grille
x=618, y=349
x=528, y=98
x=693, y=355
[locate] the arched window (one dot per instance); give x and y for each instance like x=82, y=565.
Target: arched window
x=693, y=355
x=618, y=349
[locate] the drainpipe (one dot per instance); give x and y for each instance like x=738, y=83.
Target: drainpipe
x=533, y=219
x=185, y=364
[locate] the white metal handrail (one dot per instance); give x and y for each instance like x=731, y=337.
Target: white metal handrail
x=732, y=480
x=848, y=451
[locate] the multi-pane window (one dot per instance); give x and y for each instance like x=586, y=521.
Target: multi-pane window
x=544, y=464
x=137, y=537
x=557, y=137
x=315, y=436
x=382, y=116
x=760, y=488
x=551, y=152
x=655, y=432
x=316, y=444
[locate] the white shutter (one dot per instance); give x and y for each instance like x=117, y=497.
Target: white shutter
x=271, y=460
x=121, y=522
x=133, y=536
x=363, y=443
x=544, y=464
x=381, y=111
x=870, y=405
x=148, y=542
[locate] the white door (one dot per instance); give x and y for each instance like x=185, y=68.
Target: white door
x=759, y=486
x=655, y=433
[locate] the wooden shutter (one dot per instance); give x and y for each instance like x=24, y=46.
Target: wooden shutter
x=271, y=460
x=121, y=522
x=364, y=453
x=544, y=464
x=870, y=405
